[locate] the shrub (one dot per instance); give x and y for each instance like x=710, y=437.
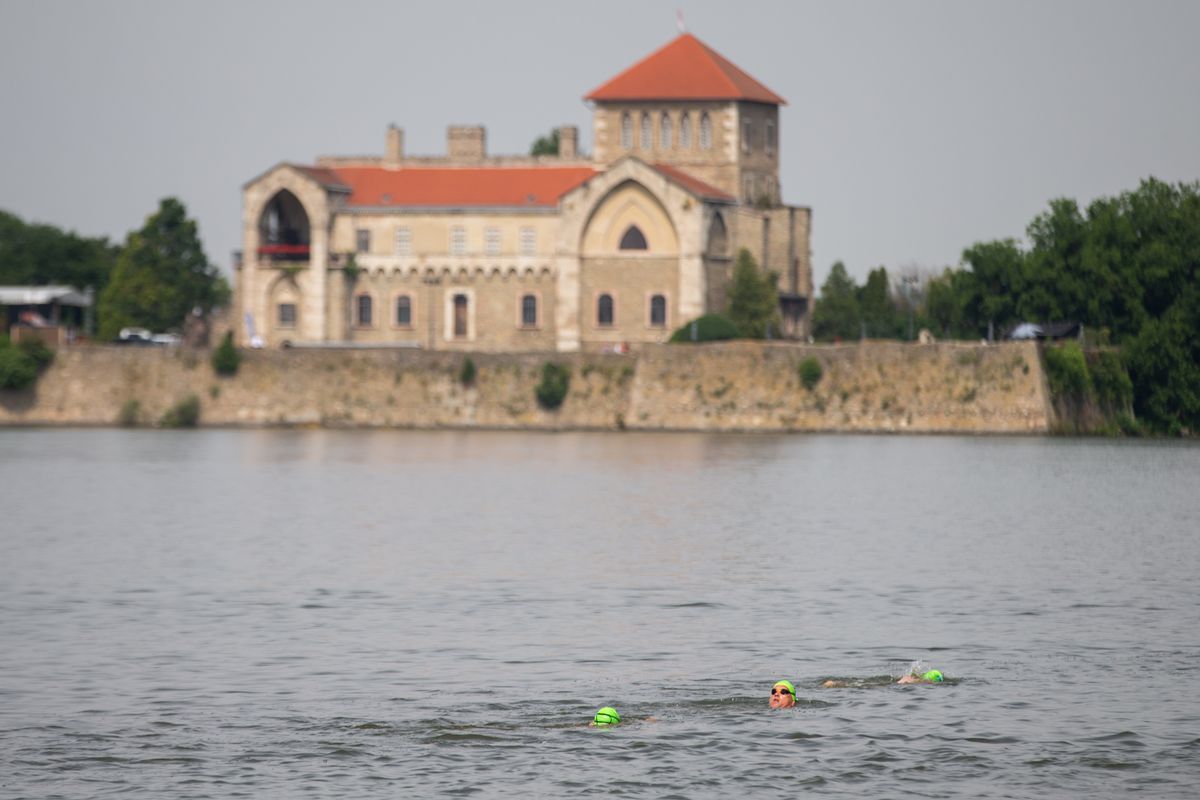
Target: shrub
x=1110, y=381
x=810, y=373
x=17, y=370
x=130, y=411
x=37, y=350
x=1066, y=369
x=226, y=358
x=466, y=375
x=184, y=414
x=709, y=328
x=551, y=392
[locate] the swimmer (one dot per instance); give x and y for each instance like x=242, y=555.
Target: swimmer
x=929, y=676
x=606, y=717
x=783, y=695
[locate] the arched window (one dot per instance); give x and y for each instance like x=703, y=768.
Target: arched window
x=460, y=316
x=664, y=132
x=604, y=310
x=658, y=311
x=647, y=141
x=626, y=131
x=529, y=311
x=685, y=131
x=362, y=311
x=633, y=239
x=404, y=311
x=705, y=132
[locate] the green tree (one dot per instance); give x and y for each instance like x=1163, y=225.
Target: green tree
x=837, y=315
x=160, y=275
x=877, y=307
x=545, y=145
x=753, y=298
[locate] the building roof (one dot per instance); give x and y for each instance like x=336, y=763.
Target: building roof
x=456, y=187
x=43, y=295
x=693, y=185
x=685, y=69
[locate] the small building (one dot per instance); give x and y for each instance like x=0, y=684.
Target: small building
x=565, y=252
x=54, y=314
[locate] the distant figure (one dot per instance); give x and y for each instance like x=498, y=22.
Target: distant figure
x=928, y=676
x=783, y=695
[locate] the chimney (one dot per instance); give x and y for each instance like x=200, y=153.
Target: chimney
x=393, y=151
x=568, y=142
x=466, y=143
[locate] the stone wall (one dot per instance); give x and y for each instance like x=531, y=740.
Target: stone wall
x=877, y=386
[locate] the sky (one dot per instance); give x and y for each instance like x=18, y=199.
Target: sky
x=912, y=130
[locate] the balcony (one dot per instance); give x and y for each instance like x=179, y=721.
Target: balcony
x=283, y=252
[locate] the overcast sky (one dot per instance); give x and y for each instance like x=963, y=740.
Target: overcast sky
x=912, y=129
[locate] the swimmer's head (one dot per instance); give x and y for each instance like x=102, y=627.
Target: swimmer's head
x=933, y=676
x=607, y=716
x=783, y=694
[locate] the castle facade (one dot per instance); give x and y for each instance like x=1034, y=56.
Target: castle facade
x=559, y=252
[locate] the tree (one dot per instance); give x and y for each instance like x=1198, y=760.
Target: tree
x=837, y=315
x=545, y=145
x=41, y=255
x=160, y=276
x=877, y=307
x=753, y=298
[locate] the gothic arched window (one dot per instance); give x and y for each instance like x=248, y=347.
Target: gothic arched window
x=664, y=132
x=626, y=131
x=604, y=310
x=633, y=239
x=647, y=141
x=705, y=132
x=685, y=131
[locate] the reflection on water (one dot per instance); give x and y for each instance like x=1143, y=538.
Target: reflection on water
x=364, y=613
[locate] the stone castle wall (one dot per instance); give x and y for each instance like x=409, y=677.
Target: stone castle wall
x=752, y=386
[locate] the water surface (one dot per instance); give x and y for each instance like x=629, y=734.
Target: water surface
x=375, y=614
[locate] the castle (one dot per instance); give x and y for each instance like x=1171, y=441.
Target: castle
x=560, y=252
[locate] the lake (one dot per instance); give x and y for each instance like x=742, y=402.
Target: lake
x=278, y=613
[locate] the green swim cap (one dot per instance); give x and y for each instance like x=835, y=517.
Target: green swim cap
x=787, y=685
x=933, y=675
x=607, y=716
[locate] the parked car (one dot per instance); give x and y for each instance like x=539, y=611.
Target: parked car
x=134, y=336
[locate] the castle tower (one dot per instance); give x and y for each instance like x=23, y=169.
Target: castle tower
x=687, y=106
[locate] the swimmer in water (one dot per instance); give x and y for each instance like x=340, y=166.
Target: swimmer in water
x=783, y=695
x=606, y=717
x=929, y=676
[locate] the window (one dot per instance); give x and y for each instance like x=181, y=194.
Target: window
x=769, y=188
x=362, y=311
x=705, y=132
x=404, y=311
x=658, y=311
x=647, y=141
x=685, y=131
x=491, y=241
x=528, y=241
x=633, y=239
x=604, y=310
x=748, y=188
x=287, y=315
x=747, y=131
x=529, y=311
x=664, y=132
x=460, y=316
x=404, y=241
x=769, y=138
x=458, y=240
x=362, y=241
x=626, y=131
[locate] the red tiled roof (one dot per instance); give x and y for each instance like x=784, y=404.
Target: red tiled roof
x=526, y=187
x=685, y=69
x=693, y=185
x=322, y=175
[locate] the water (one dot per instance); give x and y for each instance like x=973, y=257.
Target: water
x=382, y=614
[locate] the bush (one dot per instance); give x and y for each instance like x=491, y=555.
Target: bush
x=1066, y=369
x=1110, y=381
x=37, y=350
x=466, y=375
x=130, y=412
x=810, y=373
x=709, y=328
x=184, y=414
x=17, y=370
x=551, y=392
x=226, y=358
